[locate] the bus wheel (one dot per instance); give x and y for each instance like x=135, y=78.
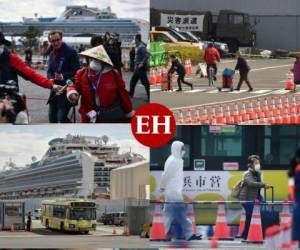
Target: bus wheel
x=85, y=232
x=47, y=224
x=62, y=229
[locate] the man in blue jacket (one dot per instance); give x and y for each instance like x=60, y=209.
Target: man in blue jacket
x=63, y=64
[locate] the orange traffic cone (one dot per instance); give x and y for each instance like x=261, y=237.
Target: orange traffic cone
x=213, y=243
x=243, y=113
x=236, y=114
x=242, y=223
x=220, y=115
x=152, y=79
x=285, y=215
x=159, y=75
x=203, y=118
x=255, y=234
x=257, y=109
x=289, y=84
x=250, y=110
x=180, y=118
x=273, y=110
x=114, y=231
x=158, y=228
x=280, y=106
x=126, y=231
x=12, y=228
x=196, y=119
x=272, y=239
x=286, y=236
x=191, y=215
x=188, y=118
x=266, y=108
x=221, y=229
x=190, y=68
x=227, y=115
x=186, y=67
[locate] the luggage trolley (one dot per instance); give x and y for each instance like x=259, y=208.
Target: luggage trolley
x=227, y=83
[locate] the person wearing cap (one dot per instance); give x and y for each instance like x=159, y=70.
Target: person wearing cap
x=62, y=65
x=102, y=90
x=141, y=65
x=12, y=66
x=296, y=71
x=294, y=182
x=250, y=191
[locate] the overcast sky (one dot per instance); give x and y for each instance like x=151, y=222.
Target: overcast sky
x=13, y=10
x=20, y=143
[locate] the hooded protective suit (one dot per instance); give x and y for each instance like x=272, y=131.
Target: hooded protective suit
x=172, y=182
x=172, y=177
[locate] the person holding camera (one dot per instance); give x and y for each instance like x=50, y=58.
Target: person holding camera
x=102, y=90
x=63, y=64
x=12, y=66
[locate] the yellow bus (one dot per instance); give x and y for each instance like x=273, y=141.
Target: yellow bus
x=69, y=215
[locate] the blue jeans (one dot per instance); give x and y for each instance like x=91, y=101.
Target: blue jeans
x=58, y=112
x=248, y=209
x=176, y=213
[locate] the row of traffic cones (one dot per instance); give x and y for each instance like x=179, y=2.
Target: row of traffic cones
x=258, y=111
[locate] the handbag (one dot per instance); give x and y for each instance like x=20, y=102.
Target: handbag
x=236, y=191
x=111, y=114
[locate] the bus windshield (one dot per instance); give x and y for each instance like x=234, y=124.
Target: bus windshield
x=82, y=213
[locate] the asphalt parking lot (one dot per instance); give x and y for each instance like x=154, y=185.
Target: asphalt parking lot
x=267, y=77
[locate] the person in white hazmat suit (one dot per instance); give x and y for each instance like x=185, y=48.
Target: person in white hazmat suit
x=171, y=184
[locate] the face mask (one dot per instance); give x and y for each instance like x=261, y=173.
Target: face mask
x=1, y=49
x=94, y=65
x=257, y=167
x=182, y=153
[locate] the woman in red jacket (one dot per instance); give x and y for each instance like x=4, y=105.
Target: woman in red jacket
x=102, y=90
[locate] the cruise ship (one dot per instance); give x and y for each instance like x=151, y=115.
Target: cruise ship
x=79, y=21
x=72, y=166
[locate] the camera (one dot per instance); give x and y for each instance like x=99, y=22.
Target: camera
x=9, y=91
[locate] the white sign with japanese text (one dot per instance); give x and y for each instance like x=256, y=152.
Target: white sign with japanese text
x=198, y=182
x=182, y=22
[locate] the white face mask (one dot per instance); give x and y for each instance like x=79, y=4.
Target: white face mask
x=182, y=153
x=94, y=65
x=257, y=167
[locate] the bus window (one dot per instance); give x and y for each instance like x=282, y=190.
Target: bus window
x=82, y=213
x=59, y=211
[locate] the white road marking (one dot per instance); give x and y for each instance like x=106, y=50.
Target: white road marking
x=195, y=91
x=273, y=67
x=154, y=90
x=238, y=92
x=261, y=91
x=280, y=92
x=213, y=91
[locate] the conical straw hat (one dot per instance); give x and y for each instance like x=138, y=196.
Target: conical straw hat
x=97, y=53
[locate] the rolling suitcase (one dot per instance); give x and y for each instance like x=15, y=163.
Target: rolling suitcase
x=269, y=216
